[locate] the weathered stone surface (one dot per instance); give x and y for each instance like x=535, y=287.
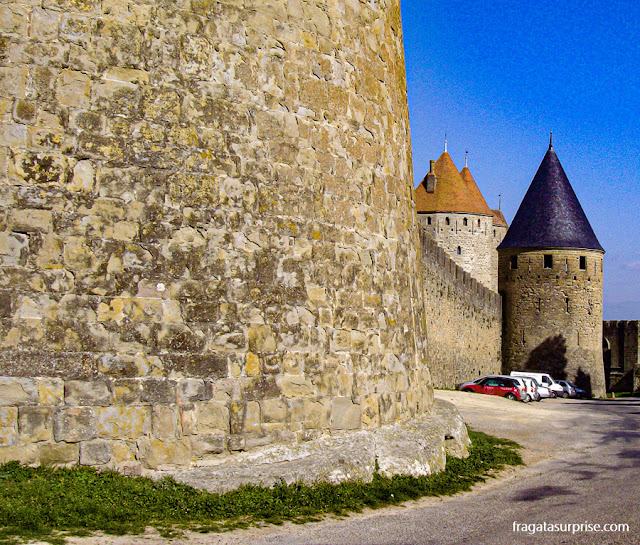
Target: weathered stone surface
x=35, y=424
x=50, y=391
x=93, y=453
x=158, y=391
x=8, y=426
x=59, y=453
x=18, y=391
x=82, y=392
x=417, y=447
x=26, y=454
x=158, y=454
x=164, y=422
x=75, y=424
x=121, y=422
x=212, y=417
x=345, y=415
x=193, y=389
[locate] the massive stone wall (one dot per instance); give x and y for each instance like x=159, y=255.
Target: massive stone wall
x=464, y=320
x=553, y=315
x=621, y=352
x=207, y=234
x=469, y=239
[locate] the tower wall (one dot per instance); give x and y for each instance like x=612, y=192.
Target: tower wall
x=477, y=252
x=621, y=351
x=553, y=316
x=207, y=235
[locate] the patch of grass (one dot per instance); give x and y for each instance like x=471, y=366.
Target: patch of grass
x=47, y=503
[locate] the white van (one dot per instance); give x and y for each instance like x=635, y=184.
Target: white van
x=543, y=378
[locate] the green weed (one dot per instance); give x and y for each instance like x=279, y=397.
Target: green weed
x=47, y=503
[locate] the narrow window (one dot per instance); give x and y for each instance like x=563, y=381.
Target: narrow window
x=548, y=261
x=566, y=300
x=514, y=261
x=447, y=221
x=464, y=222
x=478, y=223
x=494, y=232
x=429, y=220
x=566, y=265
x=539, y=304
x=578, y=338
x=583, y=263
x=523, y=341
x=459, y=250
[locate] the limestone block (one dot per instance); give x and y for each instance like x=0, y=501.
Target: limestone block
x=8, y=426
x=122, y=452
x=13, y=83
x=273, y=410
x=370, y=411
x=58, y=453
x=252, y=364
x=189, y=419
x=193, y=389
x=83, y=176
x=94, y=453
x=75, y=424
x=158, y=454
x=50, y=391
x=296, y=386
x=212, y=417
x=25, y=454
x=31, y=220
x=126, y=391
x=158, y=391
x=13, y=135
x=208, y=443
x=164, y=422
x=345, y=415
x=74, y=89
x=35, y=424
x=261, y=339
x=50, y=254
x=18, y=391
x=311, y=414
x=123, y=422
x=253, y=417
x=85, y=392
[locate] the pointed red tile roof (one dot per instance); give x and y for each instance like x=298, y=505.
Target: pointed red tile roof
x=473, y=187
x=451, y=193
x=498, y=219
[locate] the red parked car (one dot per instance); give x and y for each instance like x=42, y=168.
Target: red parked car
x=497, y=386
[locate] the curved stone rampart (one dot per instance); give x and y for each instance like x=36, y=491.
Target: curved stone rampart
x=207, y=235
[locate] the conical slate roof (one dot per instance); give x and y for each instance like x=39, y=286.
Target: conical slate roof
x=451, y=192
x=465, y=173
x=550, y=215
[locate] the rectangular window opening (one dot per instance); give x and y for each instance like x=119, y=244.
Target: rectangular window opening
x=548, y=261
x=583, y=263
x=514, y=261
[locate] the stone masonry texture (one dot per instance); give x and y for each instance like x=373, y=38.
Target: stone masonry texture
x=464, y=320
x=621, y=351
x=208, y=241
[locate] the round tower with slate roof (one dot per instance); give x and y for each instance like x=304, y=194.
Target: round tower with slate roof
x=550, y=279
x=454, y=213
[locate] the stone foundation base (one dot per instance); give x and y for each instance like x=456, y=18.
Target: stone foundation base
x=417, y=447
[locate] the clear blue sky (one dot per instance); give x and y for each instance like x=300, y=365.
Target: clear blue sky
x=498, y=76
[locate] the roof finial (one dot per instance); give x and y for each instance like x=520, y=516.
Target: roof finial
x=445, y=142
x=465, y=158
x=499, y=201
x=551, y=141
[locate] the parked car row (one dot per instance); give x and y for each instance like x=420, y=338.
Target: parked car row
x=523, y=386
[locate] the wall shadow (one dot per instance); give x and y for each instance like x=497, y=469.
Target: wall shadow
x=549, y=357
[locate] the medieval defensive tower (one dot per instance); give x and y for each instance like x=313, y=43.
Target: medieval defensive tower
x=550, y=275
x=207, y=235
x=453, y=211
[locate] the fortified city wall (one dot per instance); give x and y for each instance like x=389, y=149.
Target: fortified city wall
x=208, y=241
x=464, y=320
x=469, y=240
